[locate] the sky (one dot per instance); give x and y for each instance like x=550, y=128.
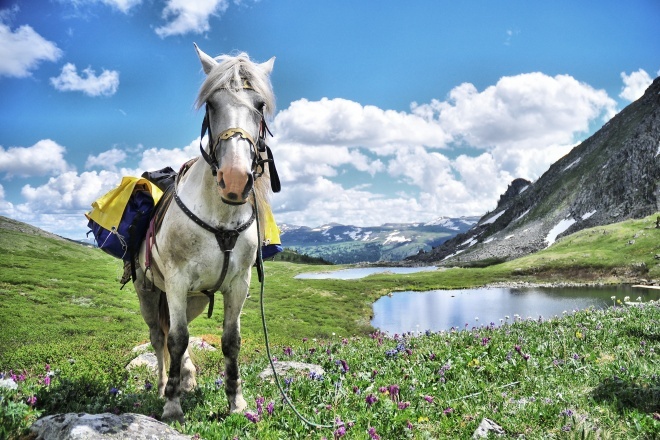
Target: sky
x=387, y=111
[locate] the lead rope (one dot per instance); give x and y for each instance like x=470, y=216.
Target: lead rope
x=260, y=269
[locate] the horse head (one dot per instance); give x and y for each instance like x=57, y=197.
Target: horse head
x=238, y=95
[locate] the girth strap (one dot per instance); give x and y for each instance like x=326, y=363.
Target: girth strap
x=226, y=239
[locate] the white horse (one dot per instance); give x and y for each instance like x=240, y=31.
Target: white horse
x=208, y=240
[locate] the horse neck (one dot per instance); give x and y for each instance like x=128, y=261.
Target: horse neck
x=198, y=190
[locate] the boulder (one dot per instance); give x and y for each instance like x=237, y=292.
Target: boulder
x=104, y=426
x=284, y=367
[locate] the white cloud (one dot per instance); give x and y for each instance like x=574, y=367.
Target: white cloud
x=122, y=5
x=22, y=50
x=522, y=111
x=189, y=16
x=105, y=84
x=46, y=157
x=107, y=159
x=157, y=158
x=347, y=123
x=634, y=85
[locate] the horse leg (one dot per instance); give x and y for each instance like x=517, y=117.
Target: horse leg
x=231, y=345
x=150, y=308
x=196, y=305
x=177, y=344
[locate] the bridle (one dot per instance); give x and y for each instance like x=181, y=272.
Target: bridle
x=257, y=148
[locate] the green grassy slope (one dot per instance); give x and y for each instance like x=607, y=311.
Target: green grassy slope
x=60, y=305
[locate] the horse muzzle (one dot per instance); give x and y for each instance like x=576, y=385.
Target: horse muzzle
x=233, y=194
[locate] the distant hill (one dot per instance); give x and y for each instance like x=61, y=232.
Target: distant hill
x=342, y=244
x=612, y=176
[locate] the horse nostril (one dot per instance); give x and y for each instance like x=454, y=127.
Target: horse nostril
x=232, y=196
x=221, y=183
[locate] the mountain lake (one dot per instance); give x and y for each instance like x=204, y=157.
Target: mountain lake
x=443, y=309
x=361, y=272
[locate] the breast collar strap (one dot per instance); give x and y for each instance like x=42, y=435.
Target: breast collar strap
x=226, y=239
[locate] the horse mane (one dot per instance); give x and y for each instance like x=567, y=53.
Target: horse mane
x=229, y=74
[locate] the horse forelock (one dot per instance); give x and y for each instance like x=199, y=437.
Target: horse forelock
x=229, y=74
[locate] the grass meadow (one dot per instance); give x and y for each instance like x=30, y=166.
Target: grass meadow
x=67, y=330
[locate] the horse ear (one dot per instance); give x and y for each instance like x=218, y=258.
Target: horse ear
x=207, y=61
x=267, y=67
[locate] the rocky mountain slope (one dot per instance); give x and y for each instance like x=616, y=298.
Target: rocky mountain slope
x=343, y=244
x=612, y=176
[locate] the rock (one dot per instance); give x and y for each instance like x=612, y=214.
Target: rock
x=284, y=367
x=145, y=359
x=485, y=427
x=8, y=384
x=103, y=426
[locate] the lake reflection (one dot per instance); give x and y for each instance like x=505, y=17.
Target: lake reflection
x=443, y=309
x=361, y=272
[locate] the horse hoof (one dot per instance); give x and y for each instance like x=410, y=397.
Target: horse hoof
x=172, y=412
x=238, y=405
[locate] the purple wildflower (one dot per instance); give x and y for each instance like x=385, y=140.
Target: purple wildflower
x=47, y=380
x=566, y=413
x=394, y=391
x=260, y=404
x=270, y=408
x=252, y=417
x=32, y=400
x=114, y=391
x=429, y=399
x=409, y=425
x=148, y=385
x=218, y=382
x=448, y=411
x=373, y=434
x=288, y=351
x=344, y=366
x=370, y=400
x=403, y=405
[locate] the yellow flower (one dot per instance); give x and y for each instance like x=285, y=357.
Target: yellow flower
x=579, y=335
x=422, y=419
x=473, y=363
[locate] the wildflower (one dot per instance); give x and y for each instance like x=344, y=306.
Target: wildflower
x=432, y=356
x=391, y=353
x=473, y=363
x=448, y=411
x=394, y=391
x=517, y=348
x=372, y=434
x=525, y=356
x=428, y=332
x=47, y=367
x=356, y=390
x=270, y=408
x=340, y=432
x=484, y=341
x=260, y=404
x=566, y=413
x=288, y=351
x=403, y=405
x=409, y=425
x=218, y=382
x=576, y=356
x=370, y=400
x=579, y=335
x=252, y=417
x=32, y=400
x=422, y=419
x=344, y=366
x=114, y=391
x=47, y=380
x=148, y=386
x=383, y=390
x=315, y=376
x=304, y=340
x=287, y=382
x=566, y=428
x=429, y=399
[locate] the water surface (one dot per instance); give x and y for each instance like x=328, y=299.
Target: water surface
x=443, y=309
x=361, y=272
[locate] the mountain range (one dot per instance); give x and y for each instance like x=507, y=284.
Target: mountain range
x=342, y=244
x=612, y=176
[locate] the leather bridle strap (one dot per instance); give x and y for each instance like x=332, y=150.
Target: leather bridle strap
x=226, y=239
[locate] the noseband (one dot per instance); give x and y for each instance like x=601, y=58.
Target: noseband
x=257, y=148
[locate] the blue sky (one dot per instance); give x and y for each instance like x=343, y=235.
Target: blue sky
x=387, y=111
